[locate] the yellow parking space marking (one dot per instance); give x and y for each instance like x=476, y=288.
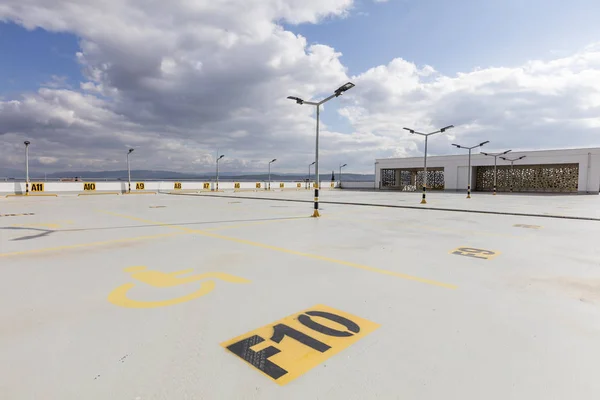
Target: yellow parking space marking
x=290, y=347
x=475, y=253
x=48, y=225
x=160, y=279
x=294, y=252
x=527, y=226
x=219, y=228
x=92, y=244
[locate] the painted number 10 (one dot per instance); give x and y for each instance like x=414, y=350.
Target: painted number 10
x=260, y=359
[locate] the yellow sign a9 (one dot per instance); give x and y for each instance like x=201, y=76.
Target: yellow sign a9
x=140, y=186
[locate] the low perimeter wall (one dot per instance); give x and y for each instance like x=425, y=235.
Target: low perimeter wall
x=119, y=187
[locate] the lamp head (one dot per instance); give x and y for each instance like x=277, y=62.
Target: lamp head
x=297, y=99
x=410, y=130
x=130, y=151
x=482, y=143
x=273, y=160
x=457, y=145
x=27, y=142
x=444, y=129
x=346, y=86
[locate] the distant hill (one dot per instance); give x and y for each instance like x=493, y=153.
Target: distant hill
x=170, y=175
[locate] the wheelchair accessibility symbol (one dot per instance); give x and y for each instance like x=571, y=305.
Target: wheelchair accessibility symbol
x=160, y=279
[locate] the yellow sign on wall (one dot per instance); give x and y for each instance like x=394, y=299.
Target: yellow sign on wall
x=177, y=186
x=295, y=344
x=236, y=185
x=258, y=185
x=37, y=186
x=206, y=185
x=298, y=185
x=89, y=186
x=332, y=185
x=140, y=186
x=281, y=185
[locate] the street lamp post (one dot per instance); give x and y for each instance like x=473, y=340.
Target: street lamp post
x=495, y=155
x=469, y=170
x=270, y=162
x=129, y=171
x=308, y=183
x=338, y=92
x=412, y=131
x=218, y=159
x=375, y=178
x=512, y=171
x=27, y=143
x=341, y=166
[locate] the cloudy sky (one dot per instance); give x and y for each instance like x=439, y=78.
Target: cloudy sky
x=84, y=80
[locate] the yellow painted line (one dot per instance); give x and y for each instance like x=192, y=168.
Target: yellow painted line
x=33, y=195
x=294, y=252
x=97, y=193
x=82, y=245
x=139, y=193
x=219, y=228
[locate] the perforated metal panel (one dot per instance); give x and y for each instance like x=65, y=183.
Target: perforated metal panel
x=530, y=178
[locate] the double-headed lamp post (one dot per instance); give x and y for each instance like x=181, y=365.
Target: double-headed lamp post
x=27, y=143
x=412, y=131
x=495, y=155
x=341, y=166
x=129, y=172
x=308, y=183
x=512, y=171
x=469, y=168
x=218, y=159
x=270, y=162
x=338, y=92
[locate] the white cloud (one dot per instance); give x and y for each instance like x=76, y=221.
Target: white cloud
x=178, y=80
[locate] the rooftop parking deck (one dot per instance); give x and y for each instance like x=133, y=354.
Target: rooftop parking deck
x=231, y=296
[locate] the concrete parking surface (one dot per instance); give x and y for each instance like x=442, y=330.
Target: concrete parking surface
x=231, y=297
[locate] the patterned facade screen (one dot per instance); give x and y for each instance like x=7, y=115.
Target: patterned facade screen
x=409, y=180
x=529, y=178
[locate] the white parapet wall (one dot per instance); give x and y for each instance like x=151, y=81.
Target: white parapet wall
x=141, y=186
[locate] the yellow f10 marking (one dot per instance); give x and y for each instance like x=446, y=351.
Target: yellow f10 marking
x=166, y=280
x=288, y=348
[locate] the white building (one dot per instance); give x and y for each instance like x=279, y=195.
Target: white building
x=553, y=171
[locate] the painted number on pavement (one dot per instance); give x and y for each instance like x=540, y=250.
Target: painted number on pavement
x=288, y=348
x=37, y=187
x=527, y=226
x=475, y=253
